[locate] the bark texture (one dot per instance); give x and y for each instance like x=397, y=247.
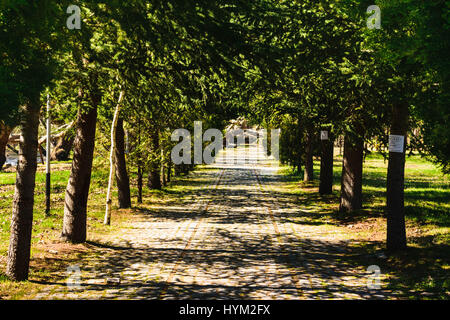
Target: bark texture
x=74, y=224
x=396, y=232
x=63, y=146
x=163, y=175
x=308, y=174
x=351, y=183
x=326, y=166
x=140, y=172
x=22, y=212
x=169, y=172
x=122, y=178
x=154, y=176
x=163, y=169
x=140, y=178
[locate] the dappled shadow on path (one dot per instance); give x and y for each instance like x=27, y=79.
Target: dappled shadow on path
x=245, y=268
x=242, y=241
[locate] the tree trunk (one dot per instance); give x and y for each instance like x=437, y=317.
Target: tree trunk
x=140, y=173
x=64, y=144
x=154, y=177
x=163, y=175
x=163, y=169
x=309, y=162
x=5, y=131
x=351, y=183
x=112, y=166
x=169, y=171
x=22, y=211
x=74, y=224
x=396, y=232
x=326, y=167
x=177, y=170
x=140, y=178
x=123, y=181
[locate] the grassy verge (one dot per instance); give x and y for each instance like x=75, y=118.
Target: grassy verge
x=423, y=270
x=48, y=254
x=420, y=272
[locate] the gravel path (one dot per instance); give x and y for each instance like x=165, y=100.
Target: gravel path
x=234, y=238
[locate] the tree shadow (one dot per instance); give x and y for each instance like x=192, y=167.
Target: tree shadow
x=232, y=251
x=246, y=268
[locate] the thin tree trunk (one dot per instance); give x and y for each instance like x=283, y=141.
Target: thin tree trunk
x=48, y=152
x=41, y=152
x=163, y=175
x=396, y=232
x=154, y=177
x=140, y=179
x=112, y=166
x=140, y=173
x=299, y=161
x=169, y=171
x=326, y=166
x=122, y=178
x=163, y=169
x=22, y=212
x=299, y=166
x=309, y=162
x=351, y=183
x=74, y=224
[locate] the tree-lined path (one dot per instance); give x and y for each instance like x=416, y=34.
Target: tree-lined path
x=235, y=236
x=108, y=105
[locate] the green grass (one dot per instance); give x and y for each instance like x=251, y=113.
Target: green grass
x=46, y=230
x=427, y=190
x=425, y=266
x=40, y=223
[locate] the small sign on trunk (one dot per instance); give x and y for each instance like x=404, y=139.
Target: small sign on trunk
x=396, y=143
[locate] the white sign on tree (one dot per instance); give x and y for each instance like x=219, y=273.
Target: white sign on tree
x=396, y=143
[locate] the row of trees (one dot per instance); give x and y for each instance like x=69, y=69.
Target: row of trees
x=137, y=70
x=362, y=84
x=155, y=66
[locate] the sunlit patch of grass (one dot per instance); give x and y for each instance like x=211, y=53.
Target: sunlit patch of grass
x=46, y=230
x=423, y=268
x=422, y=271
x=7, y=178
